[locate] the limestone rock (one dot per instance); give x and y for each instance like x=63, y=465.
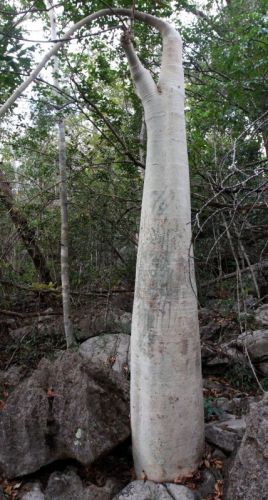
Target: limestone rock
x=34, y=493
x=261, y=315
x=226, y=434
x=68, y=486
x=110, y=350
x=257, y=346
x=11, y=377
x=148, y=490
x=67, y=409
x=210, y=330
x=206, y=489
x=20, y=333
x=248, y=478
x=100, y=321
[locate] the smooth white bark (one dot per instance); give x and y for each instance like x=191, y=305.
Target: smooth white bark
x=166, y=391
x=64, y=256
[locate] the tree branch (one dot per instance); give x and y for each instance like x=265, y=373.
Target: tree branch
x=142, y=78
x=159, y=24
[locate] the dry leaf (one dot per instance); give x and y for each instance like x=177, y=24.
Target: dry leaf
x=217, y=463
x=50, y=393
x=182, y=479
x=8, y=489
x=218, y=490
x=144, y=476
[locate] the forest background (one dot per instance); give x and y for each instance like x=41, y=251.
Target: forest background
x=225, y=64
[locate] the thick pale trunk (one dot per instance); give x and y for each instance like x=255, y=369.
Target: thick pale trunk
x=166, y=392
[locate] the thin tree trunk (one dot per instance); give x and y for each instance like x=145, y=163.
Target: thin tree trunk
x=65, y=281
x=26, y=234
x=166, y=392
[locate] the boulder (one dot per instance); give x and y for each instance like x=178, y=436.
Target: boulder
x=220, y=355
x=261, y=315
x=226, y=434
x=148, y=490
x=257, y=347
x=99, y=321
x=239, y=405
x=11, y=377
x=110, y=350
x=209, y=478
x=34, y=493
x=68, y=486
x=49, y=325
x=210, y=330
x=67, y=409
x=23, y=331
x=248, y=478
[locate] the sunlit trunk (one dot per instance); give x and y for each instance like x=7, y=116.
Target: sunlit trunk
x=166, y=392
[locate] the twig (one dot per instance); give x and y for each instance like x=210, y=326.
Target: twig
x=253, y=369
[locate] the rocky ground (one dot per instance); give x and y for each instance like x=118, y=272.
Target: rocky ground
x=64, y=417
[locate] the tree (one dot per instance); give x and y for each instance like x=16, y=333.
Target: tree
x=12, y=73
x=227, y=124
x=26, y=233
x=64, y=251
x=166, y=392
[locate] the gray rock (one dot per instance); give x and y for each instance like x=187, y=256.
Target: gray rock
x=240, y=405
x=22, y=332
x=209, y=330
x=208, y=484
x=257, y=347
x=12, y=376
x=2, y=494
x=48, y=324
x=34, y=493
x=64, y=486
x=222, y=355
x=148, y=490
x=68, y=486
x=226, y=434
x=110, y=350
x=67, y=409
x=248, y=478
x=261, y=315
x=101, y=321
x=217, y=453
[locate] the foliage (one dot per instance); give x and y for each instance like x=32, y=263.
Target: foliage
x=211, y=409
x=241, y=377
x=225, y=49
x=15, y=58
